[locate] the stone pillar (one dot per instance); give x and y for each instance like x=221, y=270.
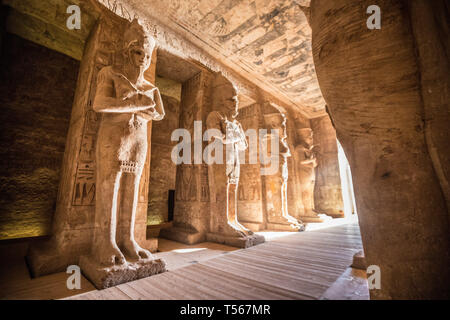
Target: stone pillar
x=328, y=190
x=191, y=214
x=73, y=221
x=295, y=202
x=250, y=202
x=276, y=185
x=163, y=170
x=370, y=80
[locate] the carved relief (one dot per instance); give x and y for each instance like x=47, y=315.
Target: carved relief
x=186, y=183
x=250, y=187
x=84, y=190
x=204, y=192
x=306, y=163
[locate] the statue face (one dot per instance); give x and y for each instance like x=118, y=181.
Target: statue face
x=140, y=56
x=226, y=99
x=306, y=136
x=274, y=121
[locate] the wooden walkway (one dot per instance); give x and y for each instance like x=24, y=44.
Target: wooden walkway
x=298, y=266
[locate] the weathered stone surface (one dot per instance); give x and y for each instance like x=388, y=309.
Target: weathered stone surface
x=276, y=183
x=259, y=44
x=192, y=195
x=36, y=94
x=375, y=102
x=327, y=190
x=239, y=242
x=250, y=200
x=44, y=22
x=162, y=169
x=359, y=261
x=74, y=218
x=126, y=102
x=224, y=177
x=431, y=28
x=105, y=277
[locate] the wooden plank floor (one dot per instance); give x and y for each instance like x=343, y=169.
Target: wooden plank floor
x=298, y=266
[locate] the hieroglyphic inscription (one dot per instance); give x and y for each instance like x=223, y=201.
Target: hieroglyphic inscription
x=84, y=190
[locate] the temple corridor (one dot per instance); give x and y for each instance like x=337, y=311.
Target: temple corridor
x=304, y=265
x=224, y=150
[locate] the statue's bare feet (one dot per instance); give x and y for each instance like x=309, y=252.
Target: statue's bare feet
x=244, y=229
x=110, y=256
x=292, y=220
x=133, y=251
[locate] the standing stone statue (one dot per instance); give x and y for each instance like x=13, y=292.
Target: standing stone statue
x=278, y=216
x=225, y=226
x=285, y=152
x=127, y=101
x=306, y=163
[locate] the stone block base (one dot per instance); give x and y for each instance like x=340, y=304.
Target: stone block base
x=253, y=226
x=46, y=257
x=359, y=261
x=105, y=277
x=284, y=227
x=182, y=235
x=151, y=244
x=239, y=242
x=311, y=219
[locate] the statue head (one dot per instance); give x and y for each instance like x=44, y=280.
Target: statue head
x=138, y=46
x=225, y=96
x=274, y=120
x=305, y=135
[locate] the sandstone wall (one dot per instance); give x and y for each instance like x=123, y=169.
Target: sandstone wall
x=162, y=169
x=36, y=93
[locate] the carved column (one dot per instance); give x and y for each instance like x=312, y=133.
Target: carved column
x=328, y=190
x=276, y=184
x=191, y=214
x=73, y=221
x=250, y=205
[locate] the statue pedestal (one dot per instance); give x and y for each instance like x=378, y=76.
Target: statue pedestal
x=314, y=218
x=182, y=235
x=239, y=242
x=285, y=227
x=359, y=261
x=105, y=277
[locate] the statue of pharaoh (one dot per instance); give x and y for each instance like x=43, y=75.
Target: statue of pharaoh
x=127, y=101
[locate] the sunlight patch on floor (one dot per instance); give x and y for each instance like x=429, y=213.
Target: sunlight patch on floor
x=189, y=250
x=331, y=223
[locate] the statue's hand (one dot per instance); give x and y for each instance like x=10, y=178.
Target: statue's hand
x=150, y=114
x=139, y=99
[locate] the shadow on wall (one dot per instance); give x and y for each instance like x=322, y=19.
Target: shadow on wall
x=36, y=94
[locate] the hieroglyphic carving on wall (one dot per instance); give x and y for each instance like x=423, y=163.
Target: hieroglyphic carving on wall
x=84, y=193
x=84, y=186
x=250, y=186
x=186, y=183
x=204, y=186
x=248, y=112
x=191, y=100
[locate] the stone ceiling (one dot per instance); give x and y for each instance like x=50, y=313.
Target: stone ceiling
x=268, y=42
x=265, y=42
